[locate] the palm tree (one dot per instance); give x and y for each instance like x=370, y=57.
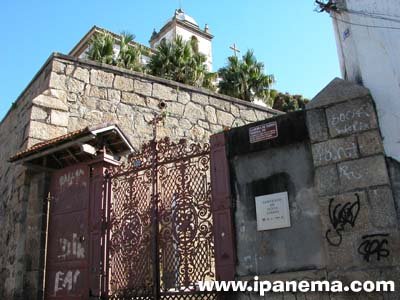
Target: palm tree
x=245, y=78
x=180, y=61
x=102, y=48
x=177, y=60
x=129, y=56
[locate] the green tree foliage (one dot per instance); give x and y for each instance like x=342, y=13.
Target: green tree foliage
x=286, y=102
x=129, y=56
x=245, y=79
x=181, y=61
x=102, y=50
x=209, y=81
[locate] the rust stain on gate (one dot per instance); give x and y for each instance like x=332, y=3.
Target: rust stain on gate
x=160, y=238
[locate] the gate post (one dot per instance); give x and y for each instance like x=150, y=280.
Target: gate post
x=100, y=193
x=222, y=210
x=105, y=247
x=155, y=215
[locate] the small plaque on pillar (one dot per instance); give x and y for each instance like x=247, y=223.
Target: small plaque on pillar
x=272, y=211
x=263, y=132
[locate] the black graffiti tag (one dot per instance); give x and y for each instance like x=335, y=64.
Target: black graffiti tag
x=374, y=244
x=340, y=215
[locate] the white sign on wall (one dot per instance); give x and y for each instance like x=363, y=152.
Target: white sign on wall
x=272, y=211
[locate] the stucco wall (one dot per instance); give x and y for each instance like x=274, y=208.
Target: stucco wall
x=205, y=45
x=68, y=94
x=368, y=48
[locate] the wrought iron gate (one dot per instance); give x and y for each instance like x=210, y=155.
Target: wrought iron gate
x=159, y=239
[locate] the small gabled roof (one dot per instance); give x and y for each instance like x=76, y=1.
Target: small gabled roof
x=70, y=148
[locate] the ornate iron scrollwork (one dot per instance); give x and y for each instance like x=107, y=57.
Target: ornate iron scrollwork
x=173, y=179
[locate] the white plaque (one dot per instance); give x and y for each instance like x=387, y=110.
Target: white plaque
x=272, y=211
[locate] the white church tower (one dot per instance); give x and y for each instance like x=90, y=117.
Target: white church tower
x=185, y=26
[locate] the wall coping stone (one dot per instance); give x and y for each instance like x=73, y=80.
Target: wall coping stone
x=338, y=90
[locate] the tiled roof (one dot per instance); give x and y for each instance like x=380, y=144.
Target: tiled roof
x=71, y=136
x=50, y=143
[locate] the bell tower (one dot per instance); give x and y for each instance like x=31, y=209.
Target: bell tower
x=185, y=26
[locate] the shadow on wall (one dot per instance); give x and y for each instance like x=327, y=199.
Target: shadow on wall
x=283, y=167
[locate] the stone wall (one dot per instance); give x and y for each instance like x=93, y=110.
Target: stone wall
x=15, y=190
x=351, y=171
x=344, y=221
x=84, y=93
x=68, y=94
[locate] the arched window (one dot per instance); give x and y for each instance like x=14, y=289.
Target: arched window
x=195, y=43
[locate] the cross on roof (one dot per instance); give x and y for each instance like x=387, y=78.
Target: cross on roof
x=234, y=49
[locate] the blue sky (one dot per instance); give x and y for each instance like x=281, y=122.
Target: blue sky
x=296, y=44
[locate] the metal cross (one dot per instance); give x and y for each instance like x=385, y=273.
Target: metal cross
x=234, y=49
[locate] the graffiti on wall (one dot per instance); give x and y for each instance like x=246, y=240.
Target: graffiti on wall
x=331, y=154
x=66, y=281
x=350, y=121
x=340, y=215
x=374, y=245
x=346, y=172
x=71, y=247
x=71, y=178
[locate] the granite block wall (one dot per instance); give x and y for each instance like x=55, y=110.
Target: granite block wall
x=83, y=93
x=16, y=192
x=352, y=193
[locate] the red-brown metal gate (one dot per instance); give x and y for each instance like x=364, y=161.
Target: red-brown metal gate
x=160, y=226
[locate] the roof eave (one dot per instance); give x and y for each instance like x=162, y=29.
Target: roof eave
x=72, y=139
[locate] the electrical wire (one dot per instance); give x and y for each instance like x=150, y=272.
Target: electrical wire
x=372, y=15
x=369, y=13
x=364, y=25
